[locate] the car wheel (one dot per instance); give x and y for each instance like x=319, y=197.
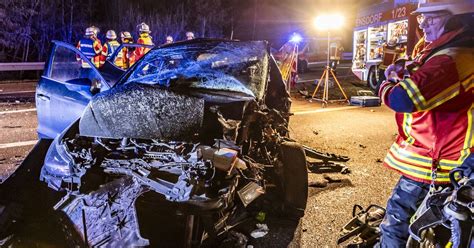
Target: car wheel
x=381, y=78
x=302, y=66
x=293, y=179
x=372, y=78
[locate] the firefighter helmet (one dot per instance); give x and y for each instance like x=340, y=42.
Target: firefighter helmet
x=455, y=7
x=111, y=35
x=125, y=35
x=189, y=35
x=92, y=30
x=143, y=28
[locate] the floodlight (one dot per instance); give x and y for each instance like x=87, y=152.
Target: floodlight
x=296, y=38
x=329, y=21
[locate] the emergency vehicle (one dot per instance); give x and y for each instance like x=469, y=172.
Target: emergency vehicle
x=313, y=52
x=382, y=34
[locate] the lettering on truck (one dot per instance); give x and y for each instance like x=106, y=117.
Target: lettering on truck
x=366, y=20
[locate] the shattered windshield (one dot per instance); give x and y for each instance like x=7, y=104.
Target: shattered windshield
x=213, y=65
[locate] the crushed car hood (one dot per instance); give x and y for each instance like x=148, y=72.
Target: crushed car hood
x=161, y=97
x=142, y=111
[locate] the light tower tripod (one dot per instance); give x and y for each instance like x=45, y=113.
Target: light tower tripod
x=328, y=70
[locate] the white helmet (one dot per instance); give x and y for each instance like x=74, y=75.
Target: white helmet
x=455, y=7
x=125, y=35
x=92, y=30
x=189, y=35
x=111, y=35
x=169, y=39
x=143, y=28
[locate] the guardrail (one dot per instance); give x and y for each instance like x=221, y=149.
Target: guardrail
x=24, y=66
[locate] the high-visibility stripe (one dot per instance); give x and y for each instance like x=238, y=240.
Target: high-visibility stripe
x=417, y=161
x=407, y=121
x=407, y=169
x=469, y=139
x=413, y=92
x=412, y=157
x=442, y=97
x=468, y=82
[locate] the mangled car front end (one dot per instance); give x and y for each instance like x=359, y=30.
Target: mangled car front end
x=201, y=124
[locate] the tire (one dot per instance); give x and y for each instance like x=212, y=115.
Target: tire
x=373, y=78
x=302, y=66
x=294, y=179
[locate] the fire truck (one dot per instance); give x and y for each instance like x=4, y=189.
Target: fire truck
x=382, y=34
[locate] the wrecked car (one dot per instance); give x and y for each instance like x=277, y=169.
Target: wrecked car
x=194, y=133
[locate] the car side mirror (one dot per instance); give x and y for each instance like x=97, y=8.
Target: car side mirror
x=95, y=86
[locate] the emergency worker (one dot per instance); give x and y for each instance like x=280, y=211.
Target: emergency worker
x=110, y=46
x=125, y=53
x=145, y=39
x=335, y=53
x=169, y=39
x=434, y=112
x=91, y=47
x=189, y=35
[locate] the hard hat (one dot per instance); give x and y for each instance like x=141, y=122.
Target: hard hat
x=92, y=30
x=143, y=28
x=190, y=35
x=125, y=35
x=95, y=29
x=169, y=39
x=455, y=7
x=111, y=35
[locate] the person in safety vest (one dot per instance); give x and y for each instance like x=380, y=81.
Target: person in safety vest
x=143, y=38
x=189, y=35
x=335, y=54
x=169, y=39
x=110, y=47
x=434, y=112
x=91, y=47
x=123, y=57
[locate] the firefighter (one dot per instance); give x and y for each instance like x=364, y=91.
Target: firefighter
x=91, y=47
x=169, y=39
x=335, y=53
x=434, y=111
x=110, y=46
x=123, y=57
x=189, y=35
x=145, y=39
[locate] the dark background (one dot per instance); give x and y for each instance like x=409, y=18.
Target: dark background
x=28, y=26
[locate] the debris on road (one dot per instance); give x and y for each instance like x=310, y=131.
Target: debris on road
x=261, y=231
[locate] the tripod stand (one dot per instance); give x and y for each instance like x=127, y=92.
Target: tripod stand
x=325, y=84
x=328, y=70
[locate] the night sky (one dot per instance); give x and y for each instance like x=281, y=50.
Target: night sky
x=277, y=20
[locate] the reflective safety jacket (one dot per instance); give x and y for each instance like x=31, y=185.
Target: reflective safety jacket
x=439, y=133
x=92, y=49
x=145, y=39
x=108, y=49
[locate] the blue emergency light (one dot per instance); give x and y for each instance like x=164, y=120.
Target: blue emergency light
x=296, y=38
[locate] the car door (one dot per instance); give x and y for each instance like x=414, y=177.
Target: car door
x=65, y=89
x=110, y=71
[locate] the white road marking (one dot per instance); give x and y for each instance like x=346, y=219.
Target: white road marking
x=17, y=111
x=324, y=110
x=16, y=92
x=17, y=144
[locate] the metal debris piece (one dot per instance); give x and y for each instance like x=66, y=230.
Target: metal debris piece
x=261, y=231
